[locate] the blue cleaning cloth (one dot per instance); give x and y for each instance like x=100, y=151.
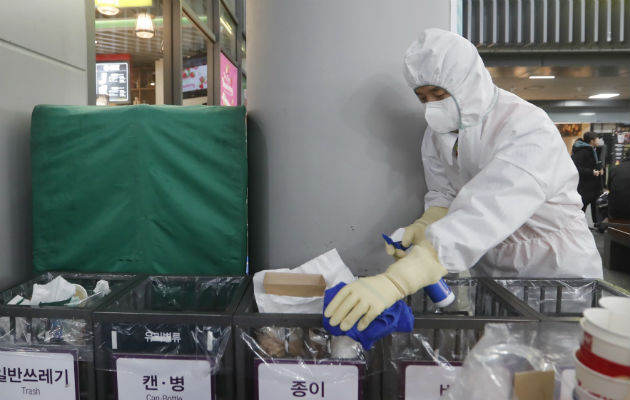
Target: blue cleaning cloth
x=397, y=318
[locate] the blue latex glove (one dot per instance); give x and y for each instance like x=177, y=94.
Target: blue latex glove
x=397, y=318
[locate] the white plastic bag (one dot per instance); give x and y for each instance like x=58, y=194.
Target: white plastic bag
x=60, y=290
x=329, y=265
x=505, y=349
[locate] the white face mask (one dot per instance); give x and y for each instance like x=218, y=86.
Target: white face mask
x=442, y=116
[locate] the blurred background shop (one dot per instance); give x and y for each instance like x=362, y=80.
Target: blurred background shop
x=170, y=52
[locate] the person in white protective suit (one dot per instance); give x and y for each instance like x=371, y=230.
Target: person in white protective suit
x=502, y=190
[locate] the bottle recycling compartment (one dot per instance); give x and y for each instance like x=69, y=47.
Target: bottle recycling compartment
x=169, y=336
x=559, y=299
x=422, y=364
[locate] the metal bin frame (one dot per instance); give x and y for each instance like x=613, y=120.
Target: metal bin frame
x=104, y=316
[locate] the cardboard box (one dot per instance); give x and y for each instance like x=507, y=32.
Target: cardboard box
x=534, y=385
x=294, y=284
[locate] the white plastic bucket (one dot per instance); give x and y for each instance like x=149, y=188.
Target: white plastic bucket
x=583, y=394
x=600, y=385
x=616, y=304
x=603, y=348
x=607, y=325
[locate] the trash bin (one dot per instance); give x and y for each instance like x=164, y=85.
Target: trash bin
x=422, y=364
x=291, y=355
x=559, y=299
x=169, y=337
x=52, y=344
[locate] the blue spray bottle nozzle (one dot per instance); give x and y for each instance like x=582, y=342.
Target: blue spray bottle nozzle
x=397, y=245
x=439, y=292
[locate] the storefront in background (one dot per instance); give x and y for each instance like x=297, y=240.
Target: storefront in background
x=169, y=52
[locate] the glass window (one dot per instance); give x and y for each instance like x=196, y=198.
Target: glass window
x=129, y=54
x=244, y=90
x=203, y=11
x=230, y=4
x=243, y=56
x=227, y=33
x=195, y=77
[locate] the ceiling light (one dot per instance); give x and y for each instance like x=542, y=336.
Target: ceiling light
x=144, y=26
x=587, y=113
x=603, y=96
x=107, y=7
x=225, y=25
x=542, y=77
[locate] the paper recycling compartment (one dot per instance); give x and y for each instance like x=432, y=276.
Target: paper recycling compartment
x=169, y=336
x=423, y=363
x=291, y=355
x=54, y=332
x=560, y=299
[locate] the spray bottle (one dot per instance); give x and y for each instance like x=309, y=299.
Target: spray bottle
x=439, y=292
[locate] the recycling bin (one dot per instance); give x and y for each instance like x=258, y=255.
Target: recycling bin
x=560, y=299
x=169, y=337
x=47, y=350
x=422, y=364
x=286, y=356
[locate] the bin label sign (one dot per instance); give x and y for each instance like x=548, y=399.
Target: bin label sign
x=159, y=378
x=289, y=380
x=163, y=337
x=38, y=374
x=429, y=380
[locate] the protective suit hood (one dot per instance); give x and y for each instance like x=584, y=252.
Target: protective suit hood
x=506, y=177
x=445, y=59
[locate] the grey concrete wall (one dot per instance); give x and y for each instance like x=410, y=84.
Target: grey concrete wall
x=43, y=61
x=334, y=132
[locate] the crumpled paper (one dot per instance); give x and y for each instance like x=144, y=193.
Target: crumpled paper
x=329, y=265
x=102, y=288
x=334, y=271
x=57, y=290
x=60, y=291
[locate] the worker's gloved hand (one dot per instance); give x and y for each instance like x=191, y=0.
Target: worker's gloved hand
x=414, y=233
x=366, y=298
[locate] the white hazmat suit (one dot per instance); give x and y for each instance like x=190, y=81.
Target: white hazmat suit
x=506, y=177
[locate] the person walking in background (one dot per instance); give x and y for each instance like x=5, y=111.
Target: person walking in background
x=590, y=169
x=619, y=185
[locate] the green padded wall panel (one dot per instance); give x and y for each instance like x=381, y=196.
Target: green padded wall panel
x=140, y=189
